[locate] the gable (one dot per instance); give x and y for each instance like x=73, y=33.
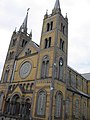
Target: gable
x=30, y=49
x=15, y=89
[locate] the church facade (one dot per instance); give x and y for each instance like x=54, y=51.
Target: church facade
x=36, y=82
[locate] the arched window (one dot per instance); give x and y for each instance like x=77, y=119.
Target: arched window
x=11, y=55
x=60, y=43
x=58, y=105
x=13, y=72
x=6, y=74
x=67, y=106
x=45, y=67
x=48, y=26
x=13, y=42
x=84, y=110
x=51, y=25
x=61, y=27
x=47, y=42
x=41, y=103
x=61, y=69
x=24, y=42
x=10, y=88
x=2, y=118
x=63, y=46
x=76, y=108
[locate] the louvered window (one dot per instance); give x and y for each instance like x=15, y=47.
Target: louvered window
x=45, y=67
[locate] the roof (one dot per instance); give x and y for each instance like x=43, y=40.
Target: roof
x=86, y=76
x=35, y=44
x=73, y=89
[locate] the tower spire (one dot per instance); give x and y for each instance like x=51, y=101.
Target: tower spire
x=23, y=27
x=56, y=7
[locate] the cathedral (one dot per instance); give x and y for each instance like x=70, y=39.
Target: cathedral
x=36, y=82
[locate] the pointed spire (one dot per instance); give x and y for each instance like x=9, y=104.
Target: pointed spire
x=46, y=15
x=46, y=12
x=66, y=18
x=57, y=5
x=14, y=32
x=23, y=27
x=30, y=35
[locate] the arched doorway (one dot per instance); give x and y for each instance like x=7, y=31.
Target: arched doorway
x=15, y=105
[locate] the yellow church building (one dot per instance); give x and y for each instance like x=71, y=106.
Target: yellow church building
x=36, y=82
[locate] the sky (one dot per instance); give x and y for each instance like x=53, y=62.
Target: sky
x=13, y=12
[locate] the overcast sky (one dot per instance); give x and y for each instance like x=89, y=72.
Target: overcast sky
x=12, y=14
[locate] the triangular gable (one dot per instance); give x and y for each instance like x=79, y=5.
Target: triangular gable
x=16, y=90
x=30, y=48
x=19, y=89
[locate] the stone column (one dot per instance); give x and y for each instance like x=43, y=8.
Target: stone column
x=20, y=112
x=9, y=112
x=12, y=108
x=1, y=101
x=23, y=111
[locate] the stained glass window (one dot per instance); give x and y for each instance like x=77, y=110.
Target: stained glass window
x=77, y=108
x=84, y=109
x=58, y=105
x=67, y=106
x=45, y=67
x=41, y=103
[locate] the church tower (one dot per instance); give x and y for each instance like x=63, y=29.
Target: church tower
x=18, y=41
x=54, y=37
x=52, y=62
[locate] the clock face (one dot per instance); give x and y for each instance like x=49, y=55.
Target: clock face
x=25, y=69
